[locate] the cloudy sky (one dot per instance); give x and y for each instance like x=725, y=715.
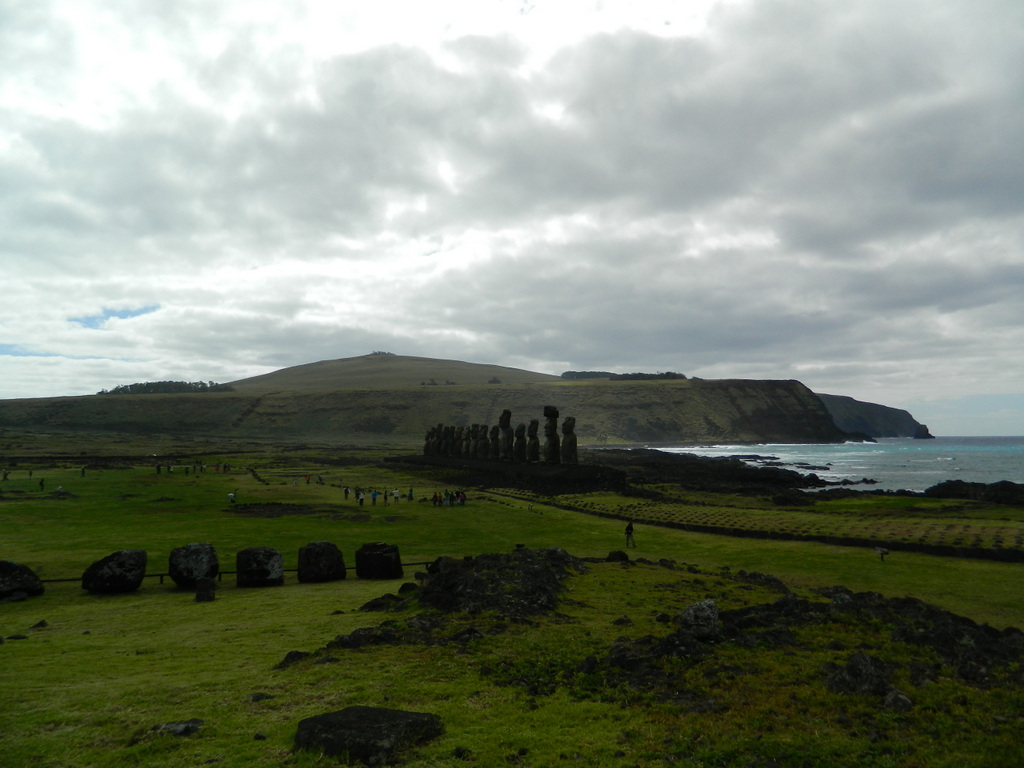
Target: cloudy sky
x=823, y=190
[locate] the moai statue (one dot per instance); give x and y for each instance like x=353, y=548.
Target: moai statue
x=569, y=454
x=436, y=442
x=466, y=449
x=494, y=452
x=532, y=442
x=483, y=443
x=505, y=425
x=449, y=441
x=428, y=442
x=519, y=447
x=552, y=455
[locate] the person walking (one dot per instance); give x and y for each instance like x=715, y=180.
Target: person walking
x=629, y=535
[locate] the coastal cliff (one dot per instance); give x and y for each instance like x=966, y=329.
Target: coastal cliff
x=872, y=419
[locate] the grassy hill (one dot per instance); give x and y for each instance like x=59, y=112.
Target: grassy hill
x=385, y=371
x=391, y=399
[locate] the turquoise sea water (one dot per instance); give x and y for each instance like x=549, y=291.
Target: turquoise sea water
x=896, y=463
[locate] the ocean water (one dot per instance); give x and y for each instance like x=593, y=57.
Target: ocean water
x=895, y=463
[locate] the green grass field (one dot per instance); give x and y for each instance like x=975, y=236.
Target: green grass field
x=88, y=687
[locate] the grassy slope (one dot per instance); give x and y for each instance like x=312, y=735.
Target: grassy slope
x=383, y=398
x=127, y=663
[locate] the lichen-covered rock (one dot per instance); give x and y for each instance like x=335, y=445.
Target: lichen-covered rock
x=119, y=572
x=370, y=735
x=18, y=581
x=259, y=567
x=191, y=563
x=700, y=620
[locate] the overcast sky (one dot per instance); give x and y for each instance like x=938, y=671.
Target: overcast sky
x=821, y=190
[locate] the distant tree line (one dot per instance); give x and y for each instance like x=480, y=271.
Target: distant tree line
x=574, y=375
x=166, y=388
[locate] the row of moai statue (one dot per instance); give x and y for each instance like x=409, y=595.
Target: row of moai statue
x=501, y=443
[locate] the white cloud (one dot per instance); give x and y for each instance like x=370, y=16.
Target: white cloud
x=818, y=191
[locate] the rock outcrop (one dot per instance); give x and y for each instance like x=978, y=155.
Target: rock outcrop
x=370, y=735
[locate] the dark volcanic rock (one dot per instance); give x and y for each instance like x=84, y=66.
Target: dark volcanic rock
x=206, y=590
x=378, y=561
x=700, y=620
x=529, y=475
x=18, y=581
x=521, y=583
x=192, y=562
x=259, y=567
x=116, y=573
x=1003, y=492
x=291, y=658
x=321, y=561
x=370, y=735
x=719, y=474
x=861, y=674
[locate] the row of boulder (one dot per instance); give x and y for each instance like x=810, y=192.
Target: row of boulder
x=196, y=566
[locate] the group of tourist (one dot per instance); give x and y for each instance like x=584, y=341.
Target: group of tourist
x=448, y=498
x=445, y=498
x=385, y=496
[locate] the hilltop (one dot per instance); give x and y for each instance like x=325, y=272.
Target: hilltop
x=385, y=371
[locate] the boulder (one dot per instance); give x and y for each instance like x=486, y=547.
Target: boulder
x=181, y=727
x=18, y=581
x=116, y=573
x=320, y=561
x=370, y=735
x=898, y=701
x=259, y=567
x=378, y=561
x=700, y=620
x=192, y=562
